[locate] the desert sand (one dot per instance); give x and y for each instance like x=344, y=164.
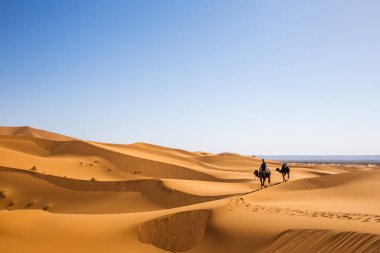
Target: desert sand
x=62, y=194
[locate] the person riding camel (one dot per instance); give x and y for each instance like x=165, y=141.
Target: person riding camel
x=263, y=173
x=264, y=168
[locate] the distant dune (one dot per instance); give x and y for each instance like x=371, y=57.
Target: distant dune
x=340, y=159
x=29, y=131
x=62, y=194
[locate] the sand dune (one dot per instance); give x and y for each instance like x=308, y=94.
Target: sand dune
x=23, y=191
x=69, y=193
x=176, y=232
x=33, y=132
x=316, y=241
x=61, y=194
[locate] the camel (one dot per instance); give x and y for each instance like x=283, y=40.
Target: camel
x=285, y=170
x=262, y=176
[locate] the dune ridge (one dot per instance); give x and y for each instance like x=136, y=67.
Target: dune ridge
x=62, y=194
x=128, y=163
x=153, y=189
x=33, y=132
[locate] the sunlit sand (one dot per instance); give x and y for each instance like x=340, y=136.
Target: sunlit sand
x=61, y=194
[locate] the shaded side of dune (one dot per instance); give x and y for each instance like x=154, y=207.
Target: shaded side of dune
x=153, y=189
x=176, y=232
x=321, y=241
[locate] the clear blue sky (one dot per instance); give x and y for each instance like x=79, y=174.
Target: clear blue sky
x=252, y=77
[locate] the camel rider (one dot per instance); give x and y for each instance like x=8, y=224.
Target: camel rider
x=263, y=168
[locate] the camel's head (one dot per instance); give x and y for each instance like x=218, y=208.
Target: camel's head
x=256, y=173
x=277, y=169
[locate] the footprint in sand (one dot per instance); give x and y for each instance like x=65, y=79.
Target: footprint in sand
x=46, y=207
x=29, y=204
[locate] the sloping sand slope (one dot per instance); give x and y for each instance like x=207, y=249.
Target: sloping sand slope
x=61, y=194
x=176, y=232
x=29, y=131
x=321, y=241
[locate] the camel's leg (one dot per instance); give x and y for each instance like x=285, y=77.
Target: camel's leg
x=269, y=181
x=288, y=175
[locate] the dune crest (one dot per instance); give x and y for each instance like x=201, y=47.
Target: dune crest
x=152, y=189
x=33, y=132
x=102, y=197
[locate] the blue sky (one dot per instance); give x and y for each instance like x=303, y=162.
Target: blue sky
x=252, y=77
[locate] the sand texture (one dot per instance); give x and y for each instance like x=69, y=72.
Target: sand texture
x=62, y=194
